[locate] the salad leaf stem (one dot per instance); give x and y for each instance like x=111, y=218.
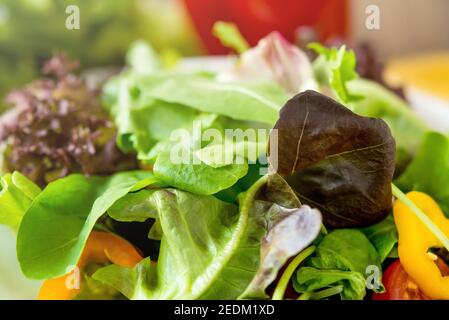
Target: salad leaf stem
x=288, y=273
x=305, y=296
x=421, y=216
x=323, y=229
x=322, y=294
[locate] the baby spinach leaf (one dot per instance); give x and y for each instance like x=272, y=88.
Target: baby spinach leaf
x=55, y=228
x=335, y=160
x=383, y=236
x=310, y=279
x=429, y=170
x=342, y=258
x=16, y=194
x=346, y=249
x=211, y=249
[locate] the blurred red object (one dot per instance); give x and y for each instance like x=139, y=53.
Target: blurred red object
x=257, y=18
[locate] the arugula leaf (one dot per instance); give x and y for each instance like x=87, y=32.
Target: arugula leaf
x=211, y=249
x=55, y=228
x=310, y=279
x=335, y=160
x=347, y=250
x=16, y=194
x=429, y=170
x=383, y=236
x=335, y=67
x=230, y=36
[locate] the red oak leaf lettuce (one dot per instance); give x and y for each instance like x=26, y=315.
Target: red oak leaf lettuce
x=335, y=160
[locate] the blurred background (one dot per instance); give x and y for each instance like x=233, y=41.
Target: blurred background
x=412, y=37
x=30, y=30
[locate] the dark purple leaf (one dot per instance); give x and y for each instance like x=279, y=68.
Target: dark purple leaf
x=335, y=160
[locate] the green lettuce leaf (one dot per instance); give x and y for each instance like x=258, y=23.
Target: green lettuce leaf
x=55, y=228
x=16, y=194
x=383, y=236
x=310, y=279
x=195, y=173
x=211, y=249
x=347, y=250
x=429, y=170
x=251, y=101
x=335, y=68
x=198, y=178
x=140, y=122
x=151, y=110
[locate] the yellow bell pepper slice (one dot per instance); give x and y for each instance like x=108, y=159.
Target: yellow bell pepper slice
x=415, y=240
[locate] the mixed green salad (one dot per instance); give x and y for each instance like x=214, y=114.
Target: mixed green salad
x=283, y=177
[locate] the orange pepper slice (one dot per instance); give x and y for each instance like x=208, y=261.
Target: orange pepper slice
x=101, y=247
